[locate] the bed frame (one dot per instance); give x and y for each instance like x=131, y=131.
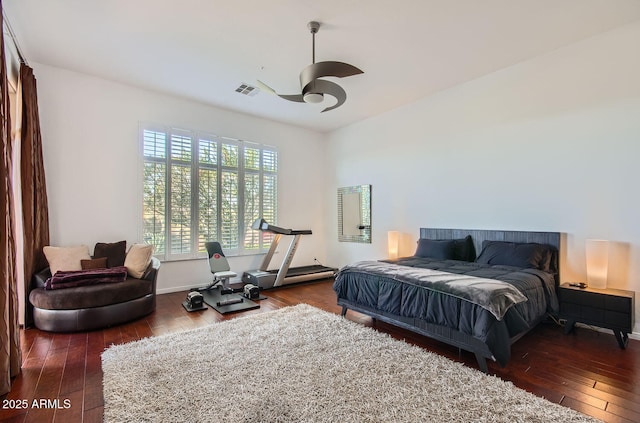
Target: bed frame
x=445, y=334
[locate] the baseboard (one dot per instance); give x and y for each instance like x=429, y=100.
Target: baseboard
x=176, y=289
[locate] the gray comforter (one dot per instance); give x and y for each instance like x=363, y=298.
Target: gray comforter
x=409, y=294
x=492, y=295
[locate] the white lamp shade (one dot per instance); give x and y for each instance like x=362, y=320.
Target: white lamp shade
x=393, y=239
x=597, y=255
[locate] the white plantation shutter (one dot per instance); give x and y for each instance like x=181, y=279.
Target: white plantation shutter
x=252, y=209
x=155, y=185
x=269, y=191
x=201, y=187
x=208, y=204
x=230, y=195
x=180, y=233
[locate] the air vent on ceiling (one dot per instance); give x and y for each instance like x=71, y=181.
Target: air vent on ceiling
x=247, y=89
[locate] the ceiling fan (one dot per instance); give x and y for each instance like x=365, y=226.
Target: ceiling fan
x=314, y=88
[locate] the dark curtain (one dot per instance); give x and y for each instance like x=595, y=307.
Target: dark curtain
x=35, y=212
x=9, y=330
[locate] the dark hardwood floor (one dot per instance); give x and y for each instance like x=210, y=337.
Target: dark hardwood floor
x=585, y=371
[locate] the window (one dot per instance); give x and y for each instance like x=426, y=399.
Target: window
x=201, y=187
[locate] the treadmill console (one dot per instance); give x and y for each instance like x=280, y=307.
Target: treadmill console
x=262, y=225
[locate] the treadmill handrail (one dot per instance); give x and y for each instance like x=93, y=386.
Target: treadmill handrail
x=300, y=232
x=262, y=225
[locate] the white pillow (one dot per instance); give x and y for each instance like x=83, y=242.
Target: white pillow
x=66, y=258
x=138, y=259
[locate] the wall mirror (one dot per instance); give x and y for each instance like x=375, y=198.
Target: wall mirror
x=354, y=214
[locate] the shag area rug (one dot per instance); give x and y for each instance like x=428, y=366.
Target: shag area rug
x=302, y=364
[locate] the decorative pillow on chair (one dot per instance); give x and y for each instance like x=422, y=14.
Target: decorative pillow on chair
x=97, y=263
x=138, y=259
x=66, y=258
x=115, y=252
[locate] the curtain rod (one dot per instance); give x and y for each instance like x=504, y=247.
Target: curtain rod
x=14, y=40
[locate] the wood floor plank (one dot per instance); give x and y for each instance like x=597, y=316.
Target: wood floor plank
x=584, y=370
x=143, y=330
x=112, y=336
x=70, y=411
x=95, y=415
x=60, y=342
x=40, y=347
x=620, y=392
x=15, y=412
x=95, y=342
x=48, y=387
x=16, y=418
x=575, y=390
x=27, y=338
x=73, y=374
x=622, y=411
x=129, y=333
x=594, y=412
x=93, y=382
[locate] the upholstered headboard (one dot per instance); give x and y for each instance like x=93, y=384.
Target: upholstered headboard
x=480, y=235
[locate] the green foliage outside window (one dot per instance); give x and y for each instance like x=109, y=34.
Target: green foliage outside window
x=204, y=188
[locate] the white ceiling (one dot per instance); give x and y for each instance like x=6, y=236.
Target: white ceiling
x=204, y=49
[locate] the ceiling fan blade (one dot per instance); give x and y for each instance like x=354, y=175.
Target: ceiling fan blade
x=264, y=87
x=292, y=97
x=328, y=87
x=268, y=89
x=321, y=69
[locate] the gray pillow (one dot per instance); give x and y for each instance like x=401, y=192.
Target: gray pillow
x=464, y=249
x=447, y=249
x=524, y=255
x=437, y=249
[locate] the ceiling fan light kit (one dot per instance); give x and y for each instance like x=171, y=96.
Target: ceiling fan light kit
x=313, y=87
x=313, y=97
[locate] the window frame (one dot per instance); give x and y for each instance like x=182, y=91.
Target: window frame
x=195, y=166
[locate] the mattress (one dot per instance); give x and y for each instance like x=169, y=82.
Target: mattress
x=427, y=301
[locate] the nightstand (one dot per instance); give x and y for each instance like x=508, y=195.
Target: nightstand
x=606, y=308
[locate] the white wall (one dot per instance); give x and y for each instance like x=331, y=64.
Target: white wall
x=551, y=144
x=93, y=168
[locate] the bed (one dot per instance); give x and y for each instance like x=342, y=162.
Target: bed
x=478, y=290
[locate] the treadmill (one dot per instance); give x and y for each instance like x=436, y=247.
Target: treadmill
x=285, y=275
